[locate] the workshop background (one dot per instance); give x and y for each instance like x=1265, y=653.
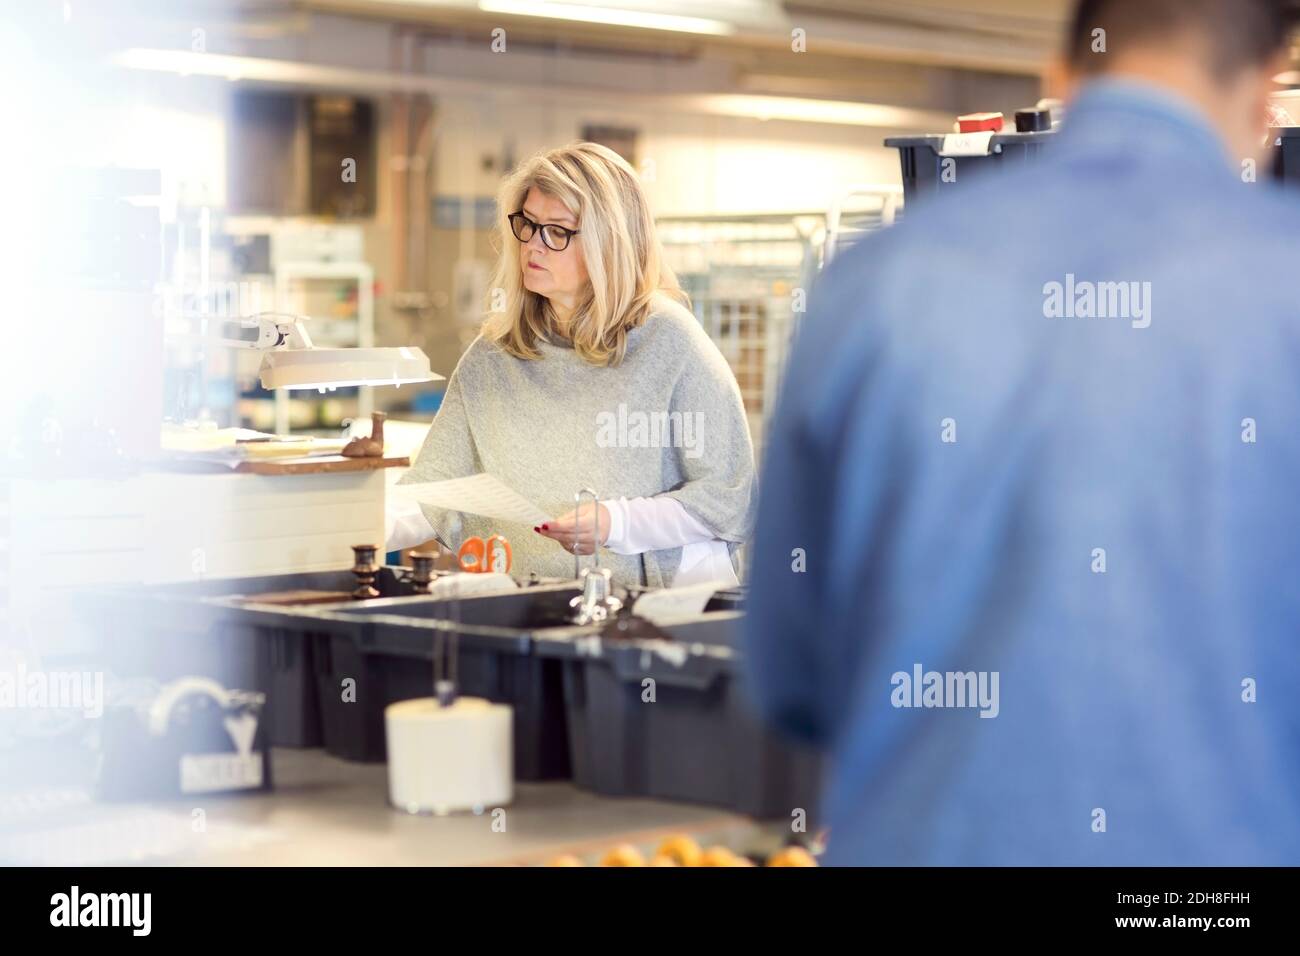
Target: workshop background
x=174, y=164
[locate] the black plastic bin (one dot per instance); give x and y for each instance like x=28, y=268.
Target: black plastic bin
x=389, y=655
x=202, y=628
x=698, y=740
x=923, y=159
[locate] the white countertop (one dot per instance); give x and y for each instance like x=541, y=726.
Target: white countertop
x=329, y=812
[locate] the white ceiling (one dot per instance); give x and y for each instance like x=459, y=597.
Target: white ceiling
x=1014, y=36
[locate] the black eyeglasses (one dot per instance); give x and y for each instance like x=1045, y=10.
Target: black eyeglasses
x=554, y=237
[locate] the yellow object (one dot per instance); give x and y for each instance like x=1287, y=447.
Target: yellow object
x=568, y=859
x=791, y=856
x=203, y=437
x=280, y=448
x=719, y=856
x=624, y=855
x=682, y=850
x=661, y=860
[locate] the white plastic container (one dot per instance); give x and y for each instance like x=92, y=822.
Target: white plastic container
x=445, y=759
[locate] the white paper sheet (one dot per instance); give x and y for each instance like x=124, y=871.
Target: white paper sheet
x=463, y=585
x=667, y=605
x=480, y=494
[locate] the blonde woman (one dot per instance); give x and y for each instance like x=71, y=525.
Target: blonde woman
x=593, y=374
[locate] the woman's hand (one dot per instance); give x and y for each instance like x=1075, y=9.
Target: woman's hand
x=574, y=530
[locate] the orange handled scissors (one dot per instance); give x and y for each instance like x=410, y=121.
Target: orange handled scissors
x=478, y=555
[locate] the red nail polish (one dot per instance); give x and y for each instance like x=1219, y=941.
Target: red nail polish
x=546, y=527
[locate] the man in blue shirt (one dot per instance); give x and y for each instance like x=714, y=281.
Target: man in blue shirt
x=1028, y=559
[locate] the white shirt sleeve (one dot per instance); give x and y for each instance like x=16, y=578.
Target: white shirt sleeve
x=659, y=523
x=651, y=524
x=405, y=525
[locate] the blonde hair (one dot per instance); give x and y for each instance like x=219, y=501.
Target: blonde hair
x=624, y=260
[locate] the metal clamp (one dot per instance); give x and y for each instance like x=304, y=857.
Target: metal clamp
x=595, y=535
x=596, y=603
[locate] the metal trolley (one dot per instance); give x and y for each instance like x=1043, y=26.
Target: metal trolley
x=748, y=277
x=744, y=275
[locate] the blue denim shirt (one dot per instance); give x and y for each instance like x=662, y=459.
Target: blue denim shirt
x=986, y=462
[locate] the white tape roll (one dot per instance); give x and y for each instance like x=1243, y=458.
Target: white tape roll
x=443, y=759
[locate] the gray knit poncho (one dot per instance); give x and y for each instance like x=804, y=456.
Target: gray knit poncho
x=667, y=421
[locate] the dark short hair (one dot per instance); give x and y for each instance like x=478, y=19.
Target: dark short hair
x=1240, y=33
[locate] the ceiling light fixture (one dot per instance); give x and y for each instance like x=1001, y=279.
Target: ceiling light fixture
x=806, y=110
x=619, y=16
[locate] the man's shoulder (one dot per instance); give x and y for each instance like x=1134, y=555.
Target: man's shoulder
x=1005, y=225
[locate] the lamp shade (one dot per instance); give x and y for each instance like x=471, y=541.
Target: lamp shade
x=338, y=368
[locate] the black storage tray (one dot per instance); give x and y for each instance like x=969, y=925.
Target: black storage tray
x=388, y=652
x=698, y=741
x=922, y=161
x=1286, y=153
x=167, y=631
